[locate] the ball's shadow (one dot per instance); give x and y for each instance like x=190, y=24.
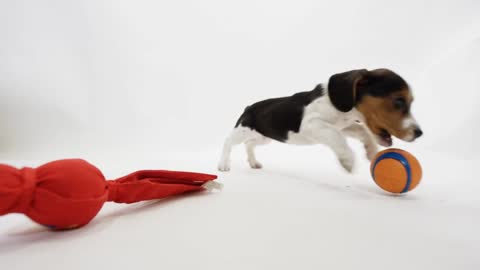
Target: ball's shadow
x=329, y=181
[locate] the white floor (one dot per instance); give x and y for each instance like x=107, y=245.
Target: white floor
x=300, y=212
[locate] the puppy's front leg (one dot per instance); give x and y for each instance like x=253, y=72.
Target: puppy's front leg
x=324, y=133
x=362, y=133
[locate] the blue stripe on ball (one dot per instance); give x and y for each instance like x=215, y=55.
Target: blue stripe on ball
x=401, y=159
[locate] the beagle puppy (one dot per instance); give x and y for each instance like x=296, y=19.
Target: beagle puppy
x=370, y=106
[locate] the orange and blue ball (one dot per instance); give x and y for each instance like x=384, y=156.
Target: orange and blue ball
x=396, y=171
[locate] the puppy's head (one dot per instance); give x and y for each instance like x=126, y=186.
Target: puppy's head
x=384, y=99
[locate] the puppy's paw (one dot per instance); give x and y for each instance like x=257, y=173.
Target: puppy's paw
x=347, y=161
x=371, y=150
x=255, y=164
x=224, y=166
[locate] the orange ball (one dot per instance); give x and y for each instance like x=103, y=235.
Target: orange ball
x=396, y=170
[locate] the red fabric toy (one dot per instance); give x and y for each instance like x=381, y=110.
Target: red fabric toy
x=69, y=193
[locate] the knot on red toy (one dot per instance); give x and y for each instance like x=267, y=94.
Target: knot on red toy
x=16, y=192
x=26, y=196
x=69, y=193
x=29, y=183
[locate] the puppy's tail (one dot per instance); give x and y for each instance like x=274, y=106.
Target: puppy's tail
x=242, y=117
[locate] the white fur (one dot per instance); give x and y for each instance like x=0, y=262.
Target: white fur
x=239, y=135
x=211, y=185
x=321, y=114
x=409, y=123
x=321, y=124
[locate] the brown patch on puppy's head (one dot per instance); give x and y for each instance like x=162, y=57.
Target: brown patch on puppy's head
x=383, y=98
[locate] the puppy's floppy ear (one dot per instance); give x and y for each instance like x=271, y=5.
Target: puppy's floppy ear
x=342, y=88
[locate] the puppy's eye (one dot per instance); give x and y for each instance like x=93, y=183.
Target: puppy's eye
x=400, y=103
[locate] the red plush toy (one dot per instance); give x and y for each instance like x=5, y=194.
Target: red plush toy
x=69, y=193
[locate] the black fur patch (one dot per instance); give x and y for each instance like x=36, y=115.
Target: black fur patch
x=381, y=85
x=275, y=117
x=341, y=88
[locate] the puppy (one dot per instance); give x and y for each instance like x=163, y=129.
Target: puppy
x=370, y=106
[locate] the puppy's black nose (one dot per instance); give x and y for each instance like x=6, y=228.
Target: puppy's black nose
x=417, y=132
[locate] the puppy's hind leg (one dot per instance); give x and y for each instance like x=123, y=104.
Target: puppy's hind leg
x=239, y=135
x=250, y=147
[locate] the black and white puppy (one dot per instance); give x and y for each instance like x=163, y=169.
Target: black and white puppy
x=367, y=105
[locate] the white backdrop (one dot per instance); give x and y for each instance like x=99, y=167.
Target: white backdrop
x=90, y=75
x=159, y=84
